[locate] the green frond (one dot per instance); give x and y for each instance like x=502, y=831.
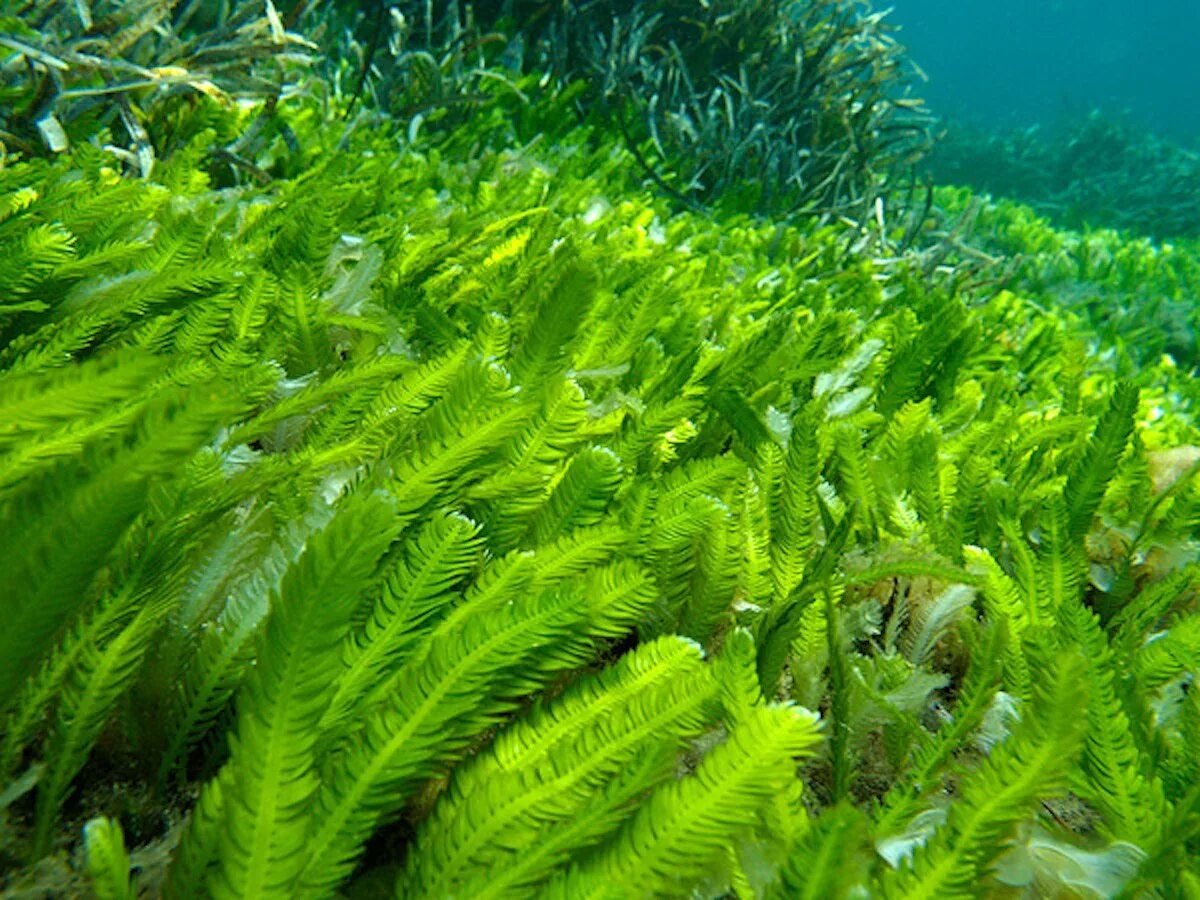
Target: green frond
x=856, y=482
x=759, y=343
x=673, y=526
x=75, y=437
x=794, y=516
x=831, y=859
x=809, y=657
x=706, y=476
x=18, y=788
x=533, y=458
x=751, y=544
x=460, y=683
x=271, y=764
x=1130, y=626
x=33, y=407
x=316, y=394
x=108, y=860
x=416, y=389
x=736, y=672
x=226, y=649
x=1003, y=597
x=927, y=353
x=502, y=823
x=579, y=498
x=615, y=596
x=841, y=755
x=251, y=311
x=992, y=800
x=711, y=589
x=43, y=250
x=419, y=586
x=555, y=429
x=556, y=316
x=677, y=837
x=89, y=513
x=198, y=853
x=1090, y=475
x=931, y=761
x=740, y=417
x=781, y=625
x=1169, y=654
x=1181, y=772
x=74, y=654
x=579, y=551
x=1115, y=777
x=963, y=521
x=306, y=330
x=650, y=433
x=687, y=544
x=17, y=201
x=1062, y=563
x=89, y=516
x=102, y=673
x=1024, y=568
x=910, y=446
x=223, y=557
x=469, y=422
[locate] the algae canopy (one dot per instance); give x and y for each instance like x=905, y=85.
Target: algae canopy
x=601, y=449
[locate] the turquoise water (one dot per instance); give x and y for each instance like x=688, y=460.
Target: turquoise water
x=1084, y=109
x=1024, y=62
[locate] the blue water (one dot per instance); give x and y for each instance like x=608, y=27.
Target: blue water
x=1012, y=63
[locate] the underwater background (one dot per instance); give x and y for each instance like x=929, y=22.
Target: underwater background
x=1026, y=62
x=1084, y=110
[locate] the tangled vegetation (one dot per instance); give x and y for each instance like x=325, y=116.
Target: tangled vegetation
x=74, y=67
x=783, y=107
x=457, y=518
x=1138, y=296
x=1099, y=171
x=778, y=106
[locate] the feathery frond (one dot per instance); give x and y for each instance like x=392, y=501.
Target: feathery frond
x=272, y=766
x=108, y=860
x=675, y=839
x=1028, y=765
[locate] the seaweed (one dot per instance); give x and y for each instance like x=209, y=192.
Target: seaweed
x=1096, y=171
x=459, y=515
x=776, y=107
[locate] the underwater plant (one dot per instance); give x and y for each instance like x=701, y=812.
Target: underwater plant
x=72, y=70
x=776, y=107
x=780, y=107
x=435, y=523
x=447, y=518
x=1137, y=295
x=1097, y=171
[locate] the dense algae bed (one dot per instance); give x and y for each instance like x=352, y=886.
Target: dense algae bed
x=468, y=513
